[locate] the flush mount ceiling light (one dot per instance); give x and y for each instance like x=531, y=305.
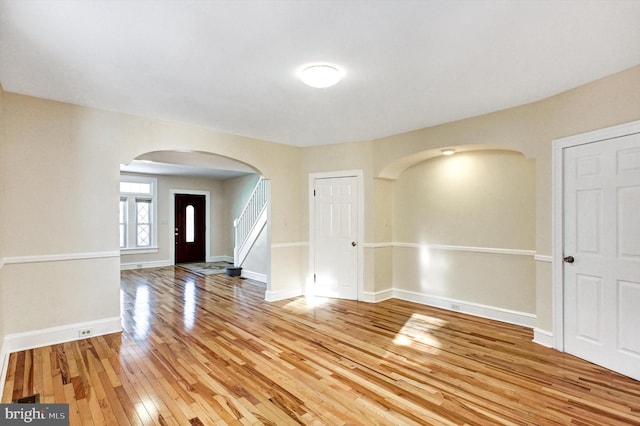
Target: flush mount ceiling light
x=448, y=151
x=320, y=75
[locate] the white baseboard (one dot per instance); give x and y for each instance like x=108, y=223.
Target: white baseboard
x=543, y=337
x=220, y=259
x=378, y=296
x=161, y=263
x=144, y=265
x=499, y=314
x=491, y=312
x=65, y=333
x=52, y=336
x=274, y=296
x=256, y=276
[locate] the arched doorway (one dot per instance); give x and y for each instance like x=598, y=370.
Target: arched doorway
x=463, y=230
x=225, y=186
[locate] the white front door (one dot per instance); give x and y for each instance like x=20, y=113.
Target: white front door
x=602, y=253
x=335, y=230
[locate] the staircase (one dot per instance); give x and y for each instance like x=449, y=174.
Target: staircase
x=250, y=223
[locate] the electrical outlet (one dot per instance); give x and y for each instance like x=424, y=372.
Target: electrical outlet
x=85, y=333
x=455, y=307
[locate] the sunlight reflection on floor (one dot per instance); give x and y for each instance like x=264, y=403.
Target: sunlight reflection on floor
x=307, y=303
x=419, y=329
x=189, y=310
x=142, y=311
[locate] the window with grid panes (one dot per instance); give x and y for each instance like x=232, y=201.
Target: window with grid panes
x=137, y=199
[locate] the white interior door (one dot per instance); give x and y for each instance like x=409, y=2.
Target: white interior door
x=336, y=237
x=602, y=253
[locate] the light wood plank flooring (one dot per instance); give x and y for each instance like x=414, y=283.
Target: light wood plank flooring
x=208, y=350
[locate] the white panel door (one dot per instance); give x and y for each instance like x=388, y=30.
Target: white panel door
x=335, y=237
x=602, y=253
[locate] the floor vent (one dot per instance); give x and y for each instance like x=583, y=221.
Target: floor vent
x=31, y=399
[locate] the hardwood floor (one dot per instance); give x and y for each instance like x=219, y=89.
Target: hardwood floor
x=201, y=350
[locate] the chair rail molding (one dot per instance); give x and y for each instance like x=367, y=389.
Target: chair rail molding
x=447, y=247
x=59, y=257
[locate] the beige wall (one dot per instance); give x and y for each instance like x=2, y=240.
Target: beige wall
x=347, y=156
x=379, y=268
x=61, y=186
x=41, y=295
x=3, y=181
x=60, y=172
x=529, y=129
x=279, y=163
x=482, y=199
x=60, y=180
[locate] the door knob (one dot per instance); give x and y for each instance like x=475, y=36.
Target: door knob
x=569, y=259
x=353, y=243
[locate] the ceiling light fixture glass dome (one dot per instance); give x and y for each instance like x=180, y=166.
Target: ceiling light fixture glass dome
x=320, y=75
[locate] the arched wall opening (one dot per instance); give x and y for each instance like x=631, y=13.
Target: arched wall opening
x=395, y=168
x=227, y=185
x=193, y=162
x=463, y=230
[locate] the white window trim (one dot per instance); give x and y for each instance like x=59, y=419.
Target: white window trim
x=139, y=250
x=153, y=247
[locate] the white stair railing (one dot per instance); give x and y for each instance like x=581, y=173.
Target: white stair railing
x=250, y=222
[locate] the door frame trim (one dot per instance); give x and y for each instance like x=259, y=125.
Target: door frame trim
x=172, y=221
x=557, y=164
x=310, y=285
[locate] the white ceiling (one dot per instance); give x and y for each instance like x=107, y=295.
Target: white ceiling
x=231, y=65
